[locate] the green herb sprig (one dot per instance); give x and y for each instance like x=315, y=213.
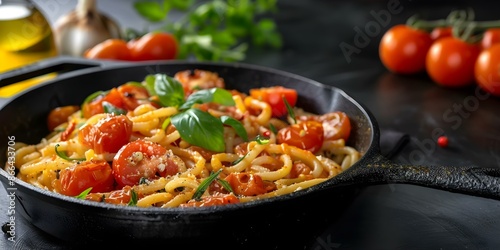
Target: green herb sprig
x=215, y=30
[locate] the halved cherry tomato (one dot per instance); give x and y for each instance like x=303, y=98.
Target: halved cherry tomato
x=221, y=199
x=274, y=96
x=336, y=125
x=108, y=135
x=113, y=49
x=403, y=49
x=93, y=173
x=154, y=46
x=60, y=115
x=121, y=196
x=490, y=37
x=143, y=159
x=246, y=184
x=450, y=62
x=441, y=32
x=487, y=70
x=307, y=135
x=94, y=106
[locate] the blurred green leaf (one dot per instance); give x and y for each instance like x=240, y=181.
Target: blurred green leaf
x=218, y=30
x=152, y=11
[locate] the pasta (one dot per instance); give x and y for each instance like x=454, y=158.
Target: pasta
x=197, y=145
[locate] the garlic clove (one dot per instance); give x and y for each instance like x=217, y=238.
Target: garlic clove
x=83, y=28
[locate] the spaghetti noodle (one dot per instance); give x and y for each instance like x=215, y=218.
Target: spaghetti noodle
x=187, y=141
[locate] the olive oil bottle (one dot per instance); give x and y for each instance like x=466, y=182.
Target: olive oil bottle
x=25, y=37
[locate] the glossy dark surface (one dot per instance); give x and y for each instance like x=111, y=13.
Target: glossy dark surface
x=389, y=216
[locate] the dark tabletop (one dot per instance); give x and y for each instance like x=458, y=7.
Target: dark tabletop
x=390, y=216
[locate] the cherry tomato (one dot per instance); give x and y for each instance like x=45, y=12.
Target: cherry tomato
x=487, y=70
x=193, y=80
x=403, y=49
x=307, y=135
x=113, y=49
x=440, y=32
x=60, y=115
x=490, y=37
x=246, y=184
x=450, y=62
x=154, y=46
x=336, y=125
x=133, y=95
x=274, y=96
x=108, y=135
x=65, y=135
x=121, y=196
x=143, y=159
x=216, y=200
x=93, y=173
x=94, y=106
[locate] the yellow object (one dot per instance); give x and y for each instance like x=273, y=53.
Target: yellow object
x=25, y=37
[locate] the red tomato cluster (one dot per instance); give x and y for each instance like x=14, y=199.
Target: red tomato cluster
x=448, y=60
x=151, y=46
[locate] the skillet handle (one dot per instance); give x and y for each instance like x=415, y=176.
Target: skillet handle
x=44, y=67
x=484, y=182
x=45, y=70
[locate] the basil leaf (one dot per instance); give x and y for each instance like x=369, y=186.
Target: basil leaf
x=112, y=109
x=205, y=184
x=84, y=193
x=149, y=84
x=216, y=95
x=236, y=125
x=169, y=91
x=200, y=129
x=63, y=155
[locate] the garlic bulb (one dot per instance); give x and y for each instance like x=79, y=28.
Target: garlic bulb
x=83, y=28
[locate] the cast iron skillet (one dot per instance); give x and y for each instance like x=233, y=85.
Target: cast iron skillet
x=80, y=221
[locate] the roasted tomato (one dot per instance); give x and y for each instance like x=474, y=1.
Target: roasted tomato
x=336, y=125
x=95, y=106
x=133, y=95
x=60, y=115
x=307, y=135
x=193, y=80
x=121, y=196
x=216, y=200
x=94, y=173
x=274, y=96
x=143, y=159
x=108, y=135
x=246, y=184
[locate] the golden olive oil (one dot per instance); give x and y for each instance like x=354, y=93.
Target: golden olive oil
x=25, y=37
